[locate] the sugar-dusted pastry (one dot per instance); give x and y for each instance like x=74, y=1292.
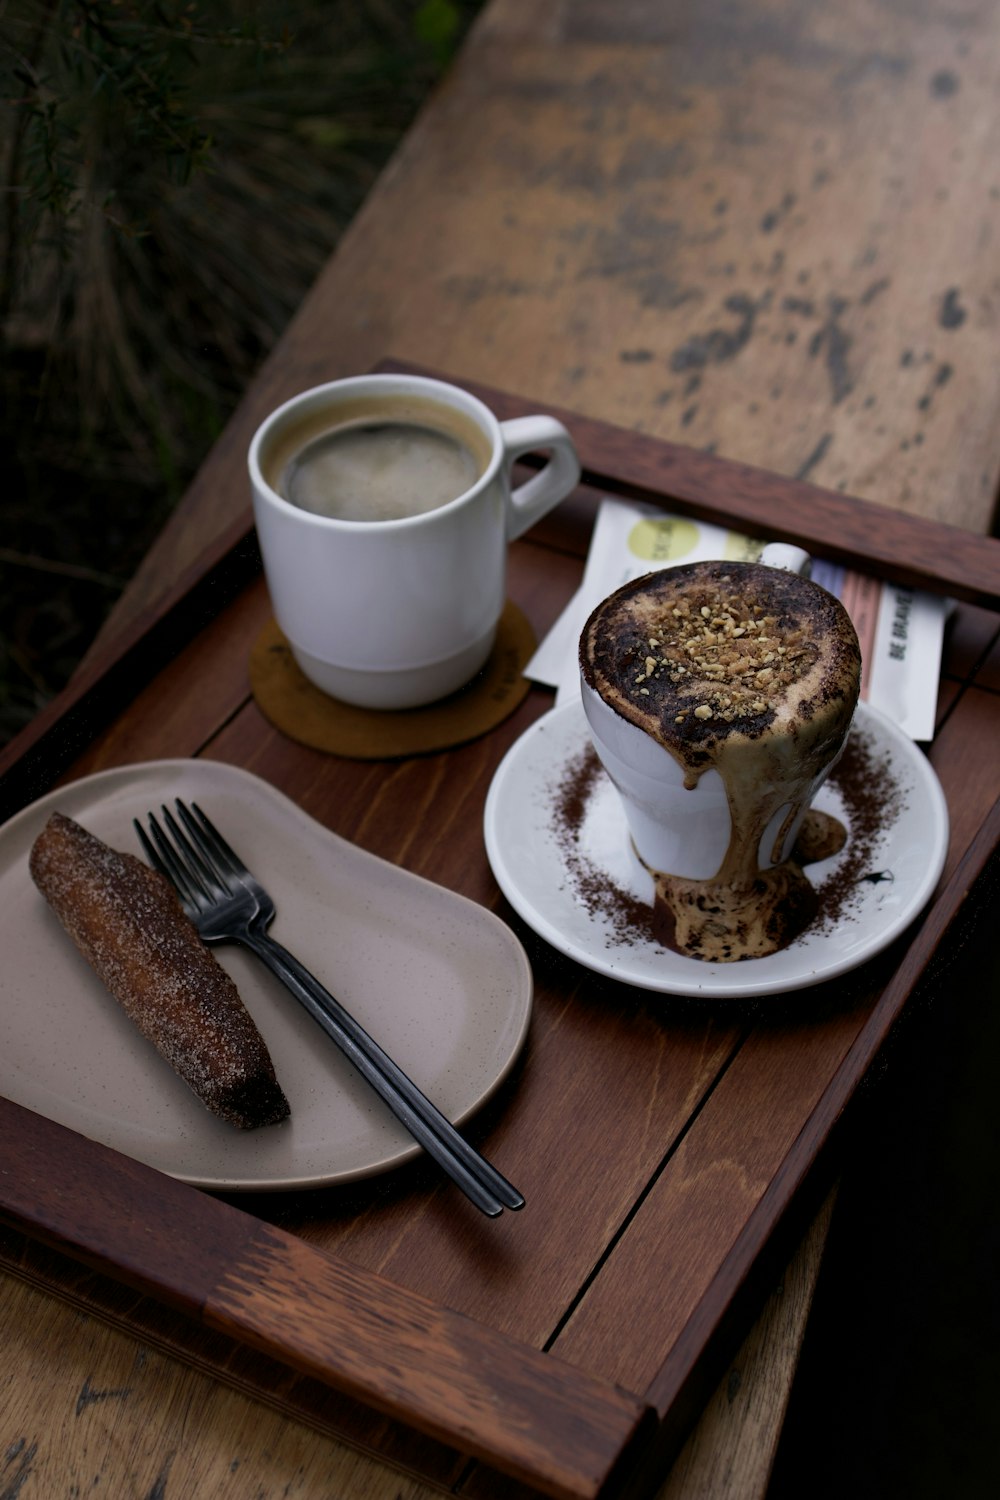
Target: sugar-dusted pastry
x=127, y=922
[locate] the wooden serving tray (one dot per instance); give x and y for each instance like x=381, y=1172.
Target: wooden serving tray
x=668, y=1149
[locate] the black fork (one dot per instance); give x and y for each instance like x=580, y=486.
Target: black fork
x=227, y=903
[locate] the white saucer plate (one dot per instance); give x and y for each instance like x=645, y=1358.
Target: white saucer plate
x=440, y=982
x=531, y=865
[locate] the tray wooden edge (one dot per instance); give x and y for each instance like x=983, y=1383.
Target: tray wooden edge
x=33, y=760
x=533, y=1417
x=909, y=550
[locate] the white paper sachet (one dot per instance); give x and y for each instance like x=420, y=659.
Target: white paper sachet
x=901, y=631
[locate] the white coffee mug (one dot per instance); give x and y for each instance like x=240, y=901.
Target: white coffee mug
x=392, y=614
x=684, y=831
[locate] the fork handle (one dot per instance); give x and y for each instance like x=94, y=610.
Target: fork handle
x=478, y=1178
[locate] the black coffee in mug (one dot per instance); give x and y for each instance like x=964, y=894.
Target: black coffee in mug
x=378, y=459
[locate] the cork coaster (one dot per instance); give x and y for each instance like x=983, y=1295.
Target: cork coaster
x=292, y=704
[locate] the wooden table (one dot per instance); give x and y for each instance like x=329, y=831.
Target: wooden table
x=750, y=230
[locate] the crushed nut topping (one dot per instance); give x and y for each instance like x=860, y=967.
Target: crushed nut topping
x=724, y=652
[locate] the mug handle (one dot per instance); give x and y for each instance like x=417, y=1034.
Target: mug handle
x=531, y=500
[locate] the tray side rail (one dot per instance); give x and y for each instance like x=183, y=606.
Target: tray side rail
x=33, y=760
x=535, y=1418
x=912, y=551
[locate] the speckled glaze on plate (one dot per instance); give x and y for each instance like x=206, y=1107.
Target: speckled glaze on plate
x=440, y=982
x=529, y=862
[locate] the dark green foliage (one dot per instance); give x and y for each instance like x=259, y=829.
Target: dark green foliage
x=175, y=175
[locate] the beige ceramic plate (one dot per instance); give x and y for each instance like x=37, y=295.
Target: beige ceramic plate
x=442, y=983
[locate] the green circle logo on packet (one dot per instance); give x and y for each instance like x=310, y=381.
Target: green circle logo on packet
x=741, y=548
x=667, y=539
x=663, y=540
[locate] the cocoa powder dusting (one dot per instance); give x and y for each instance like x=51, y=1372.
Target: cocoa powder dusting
x=873, y=802
x=872, y=798
x=631, y=919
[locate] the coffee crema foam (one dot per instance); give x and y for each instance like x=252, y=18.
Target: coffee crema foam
x=753, y=672
x=377, y=458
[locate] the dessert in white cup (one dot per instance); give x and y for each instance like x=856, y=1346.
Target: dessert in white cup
x=719, y=696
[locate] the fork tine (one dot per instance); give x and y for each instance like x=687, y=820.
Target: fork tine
x=150, y=850
x=200, y=867
x=166, y=860
x=211, y=842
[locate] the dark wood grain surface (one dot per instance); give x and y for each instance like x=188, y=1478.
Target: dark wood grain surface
x=760, y=232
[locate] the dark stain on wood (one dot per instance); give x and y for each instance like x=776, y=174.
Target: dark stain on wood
x=872, y=65
x=870, y=293
x=720, y=344
x=776, y=216
x=159, y=1485
x=89, y=1397
x=944, y=83
x=636, y=248
x=834, y=343
x=648, y=160
x=635, y=356
x=23, y=1454
x=471, y=289
x=659, y=290
x=952, y=314
x=942, y=375
x=816, y=456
